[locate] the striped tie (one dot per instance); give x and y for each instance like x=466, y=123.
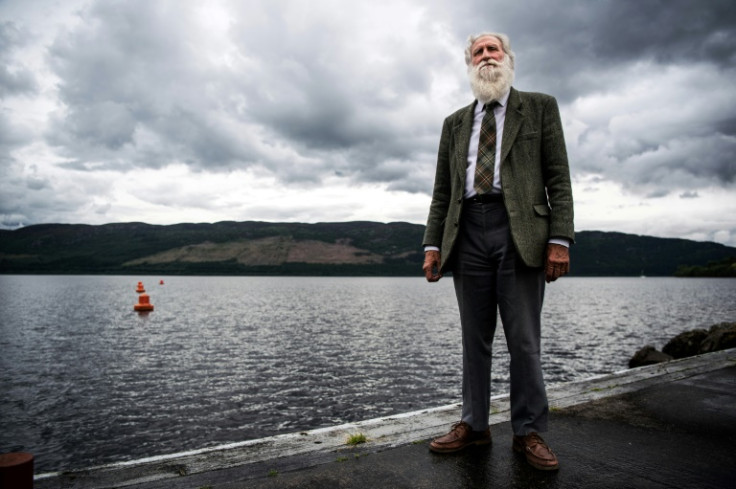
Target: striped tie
x=486, y=152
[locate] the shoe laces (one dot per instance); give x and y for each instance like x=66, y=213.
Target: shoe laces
x=534, y=439
x=461, y=425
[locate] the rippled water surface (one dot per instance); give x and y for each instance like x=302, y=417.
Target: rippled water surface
x=85, y=380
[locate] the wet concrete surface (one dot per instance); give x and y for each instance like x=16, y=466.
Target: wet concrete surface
x=674, y=435
x=666, y=426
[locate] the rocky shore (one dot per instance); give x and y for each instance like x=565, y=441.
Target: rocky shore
x=720, y=336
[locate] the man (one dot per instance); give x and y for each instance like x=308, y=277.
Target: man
x=501, y=220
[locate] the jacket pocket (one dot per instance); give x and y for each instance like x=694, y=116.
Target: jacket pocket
x=541, y=210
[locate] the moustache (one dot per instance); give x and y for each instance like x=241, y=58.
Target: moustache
x=490, y=62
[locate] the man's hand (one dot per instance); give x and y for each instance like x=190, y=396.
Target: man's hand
x=432, y=265
x=558, y=262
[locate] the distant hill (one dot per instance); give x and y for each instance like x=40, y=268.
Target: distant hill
x=610, y=254
x=263, y=248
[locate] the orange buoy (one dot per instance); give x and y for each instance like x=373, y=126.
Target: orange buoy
x=161, y=282
x=140, y=288
x=144, y=304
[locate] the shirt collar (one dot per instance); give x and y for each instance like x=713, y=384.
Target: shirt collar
x=501, y=101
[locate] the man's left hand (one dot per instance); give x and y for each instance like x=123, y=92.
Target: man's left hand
x=557, y=263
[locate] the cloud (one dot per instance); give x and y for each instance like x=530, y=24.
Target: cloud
x=575, y=47
x=678, y=31
x=15, y=77
x=11, y=135
x=661, y=128
x=283, y=87
x=350, y=89
x=137, y=91
x=305, y=94
x=327, y=110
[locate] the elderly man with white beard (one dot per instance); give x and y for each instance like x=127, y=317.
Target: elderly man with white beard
x=501, y=221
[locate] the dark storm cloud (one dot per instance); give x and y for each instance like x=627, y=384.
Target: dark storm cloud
x=302, y=98
x=637, y=62
x=668, y=31
x=309, y=93
x=726, y=125
x=329, y=103
x=137, y=110
x=562, y=43
x=336, y=97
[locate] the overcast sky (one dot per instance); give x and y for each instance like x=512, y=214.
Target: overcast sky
x=275, y=110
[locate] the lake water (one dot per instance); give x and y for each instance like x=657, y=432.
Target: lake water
x=84, y=380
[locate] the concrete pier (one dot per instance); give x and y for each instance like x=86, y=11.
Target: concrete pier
x=665, y=425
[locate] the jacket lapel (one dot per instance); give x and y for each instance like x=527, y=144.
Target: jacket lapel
x=463, y=128
x=512, y=124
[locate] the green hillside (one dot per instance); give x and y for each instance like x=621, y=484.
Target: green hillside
x=263, y=248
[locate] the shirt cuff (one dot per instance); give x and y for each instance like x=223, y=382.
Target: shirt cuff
x=560, y=241
x=431, y=248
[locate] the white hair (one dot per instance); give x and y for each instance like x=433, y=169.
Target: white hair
x=505, y=44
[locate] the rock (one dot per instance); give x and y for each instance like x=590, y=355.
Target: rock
x=720, y=337
x=690, y=343
x=685, y=344
x=648, y=356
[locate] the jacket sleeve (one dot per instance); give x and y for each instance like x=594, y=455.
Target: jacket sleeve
x=441, y=194
x=557, y=174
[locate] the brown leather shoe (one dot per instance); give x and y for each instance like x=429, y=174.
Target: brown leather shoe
x=536, y=451
x=461, y=435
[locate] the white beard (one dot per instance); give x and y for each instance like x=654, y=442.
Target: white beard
x=490, y=80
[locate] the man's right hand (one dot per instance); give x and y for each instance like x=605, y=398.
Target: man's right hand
x=431, y=266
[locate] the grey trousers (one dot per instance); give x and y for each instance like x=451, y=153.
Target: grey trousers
x=488, y=276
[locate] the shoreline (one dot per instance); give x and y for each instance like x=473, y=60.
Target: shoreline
x=256, y=459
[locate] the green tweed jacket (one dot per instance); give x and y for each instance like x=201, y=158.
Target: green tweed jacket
x=535, y=177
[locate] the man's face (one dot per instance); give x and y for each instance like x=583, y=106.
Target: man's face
x=486, y=48
x=490, y=71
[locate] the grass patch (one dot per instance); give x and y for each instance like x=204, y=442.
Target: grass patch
x=273, y=473
x=356, y=439
x=606, y=388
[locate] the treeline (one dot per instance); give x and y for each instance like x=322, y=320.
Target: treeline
x=261, y=248
x=723, y=268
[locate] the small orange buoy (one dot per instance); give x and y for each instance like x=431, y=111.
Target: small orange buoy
x=140, y=288
x=144, y=304
x=161, y=282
